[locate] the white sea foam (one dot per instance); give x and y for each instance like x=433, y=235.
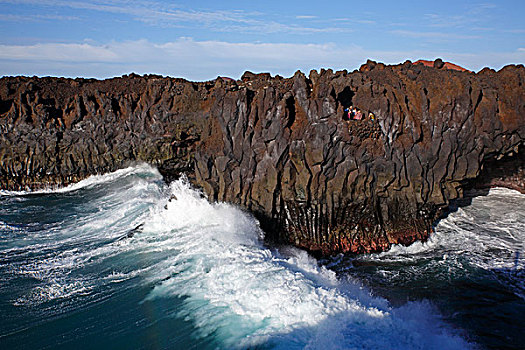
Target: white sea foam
x=489, y=234
x=213, y=256
x=56, y=257
x=246, y=294
x=490, y=231
x=54, y=290
x=91, y=181
x=7, y=227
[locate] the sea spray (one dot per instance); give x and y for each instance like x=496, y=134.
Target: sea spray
x=193, y=273
x=472, y=268
x=248, y=294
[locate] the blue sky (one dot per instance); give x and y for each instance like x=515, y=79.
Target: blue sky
x=200, y=40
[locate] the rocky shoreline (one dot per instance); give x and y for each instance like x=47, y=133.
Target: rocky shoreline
x=280, y=147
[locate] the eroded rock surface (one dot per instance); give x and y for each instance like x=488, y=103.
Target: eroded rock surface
x=280, y=147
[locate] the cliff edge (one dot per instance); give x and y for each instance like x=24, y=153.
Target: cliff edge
x=280, y=147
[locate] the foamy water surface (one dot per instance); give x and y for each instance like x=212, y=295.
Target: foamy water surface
x=114, y=260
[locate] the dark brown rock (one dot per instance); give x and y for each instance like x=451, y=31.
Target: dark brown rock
x=438, y=63
x=280, y=147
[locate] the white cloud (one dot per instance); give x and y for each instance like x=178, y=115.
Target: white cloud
x=149, y=11
x=36, y=18
x=197, y=60
x=203, y=60
x=170, y=15
x=366, y=21
x=58, y=52
x=433, y=35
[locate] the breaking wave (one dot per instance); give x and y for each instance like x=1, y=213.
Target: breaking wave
x=128, y=236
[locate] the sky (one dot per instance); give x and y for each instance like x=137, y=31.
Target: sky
x=200, y=40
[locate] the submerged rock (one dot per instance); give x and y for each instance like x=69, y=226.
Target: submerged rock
x=280, y=147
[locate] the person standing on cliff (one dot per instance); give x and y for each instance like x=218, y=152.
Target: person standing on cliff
x=352, y=112
x=346, y=115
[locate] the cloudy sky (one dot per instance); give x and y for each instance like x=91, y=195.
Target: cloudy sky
x=200, y=40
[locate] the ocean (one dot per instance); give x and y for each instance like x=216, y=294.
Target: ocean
x=125, y=261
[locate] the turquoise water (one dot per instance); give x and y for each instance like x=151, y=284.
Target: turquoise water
x=112, y=262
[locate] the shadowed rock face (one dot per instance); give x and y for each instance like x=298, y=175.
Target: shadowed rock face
x=279, y=147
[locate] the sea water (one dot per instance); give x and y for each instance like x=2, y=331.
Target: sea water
x=125, y=261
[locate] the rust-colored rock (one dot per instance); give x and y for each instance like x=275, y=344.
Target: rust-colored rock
x=280, y=147
x=439, y=64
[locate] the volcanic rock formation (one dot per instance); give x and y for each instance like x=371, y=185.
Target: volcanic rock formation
x=440, y=64
x=280, y=147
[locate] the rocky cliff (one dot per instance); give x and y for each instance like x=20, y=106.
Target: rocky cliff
x=280, y=147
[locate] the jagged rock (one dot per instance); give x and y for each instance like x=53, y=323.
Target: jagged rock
x=368, y=66
x=438, y=63
x=280, y=147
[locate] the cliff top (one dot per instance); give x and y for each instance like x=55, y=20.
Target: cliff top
x=438, y=63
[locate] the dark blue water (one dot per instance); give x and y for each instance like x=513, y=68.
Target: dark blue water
x=112, y=263
x=472, y=270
